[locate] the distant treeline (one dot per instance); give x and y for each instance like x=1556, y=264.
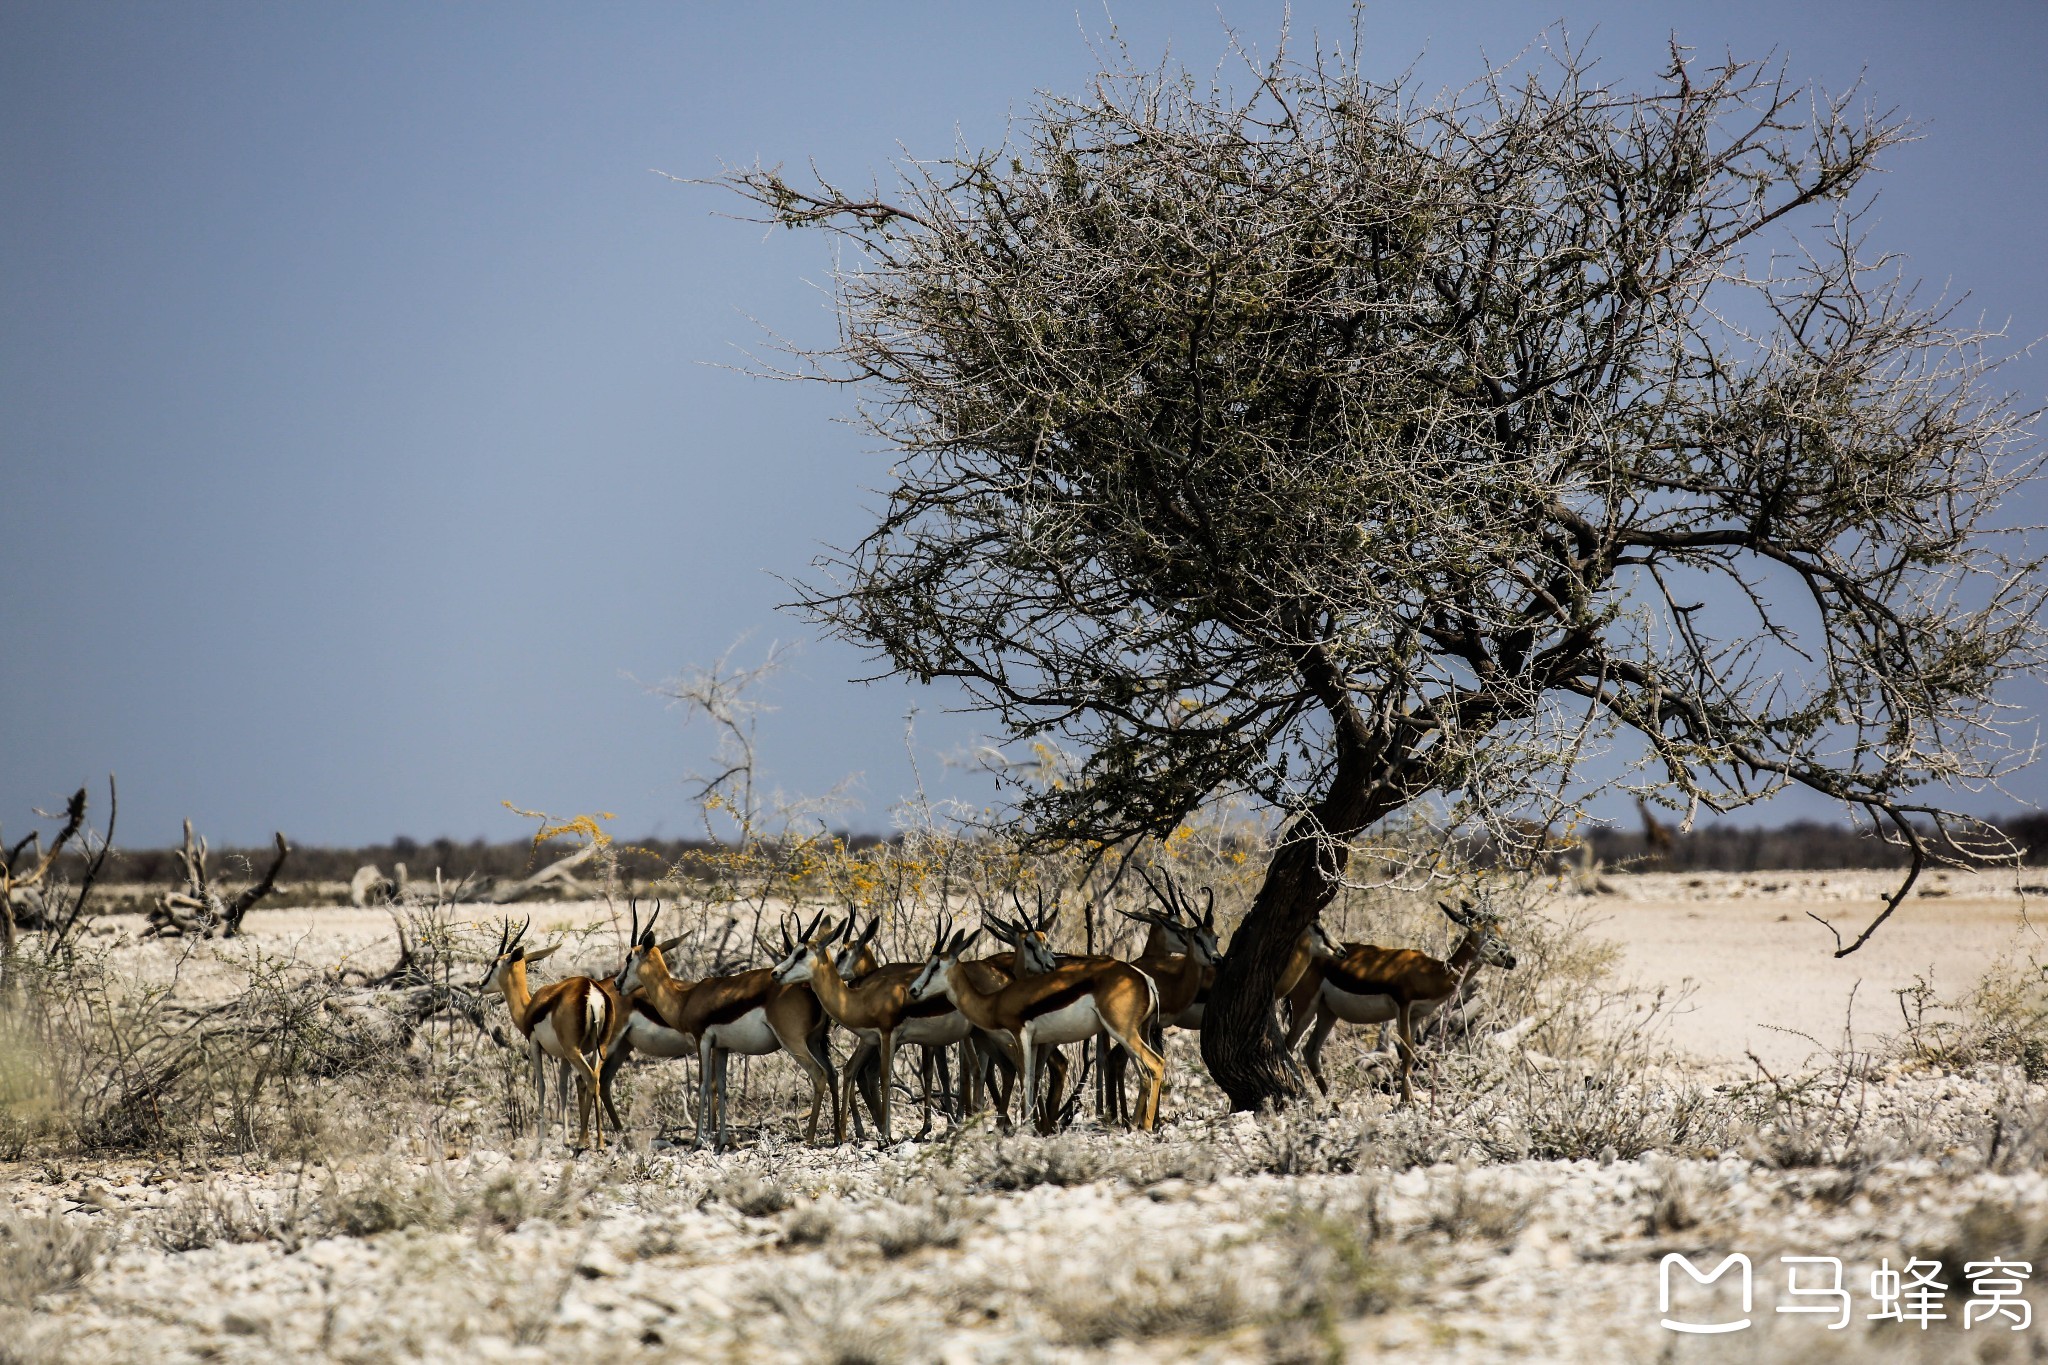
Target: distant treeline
x=639, y=859
x=1803, y=845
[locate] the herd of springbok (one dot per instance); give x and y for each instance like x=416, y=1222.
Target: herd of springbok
x=1010, y=1014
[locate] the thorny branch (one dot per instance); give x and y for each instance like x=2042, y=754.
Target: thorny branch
x=1237, y=434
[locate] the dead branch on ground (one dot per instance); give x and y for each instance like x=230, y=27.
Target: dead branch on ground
x=200, y=909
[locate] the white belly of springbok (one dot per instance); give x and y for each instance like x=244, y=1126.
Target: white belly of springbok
x=1359, y=1009
x=937, y=1030
x=1068, y=1024
x=645, y=1036
x=749, y=1035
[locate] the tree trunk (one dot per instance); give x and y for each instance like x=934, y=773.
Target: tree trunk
x=1241, y=1041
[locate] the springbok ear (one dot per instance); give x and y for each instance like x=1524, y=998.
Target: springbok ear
x=546, y=952
x=647, y=938
x=669, y=945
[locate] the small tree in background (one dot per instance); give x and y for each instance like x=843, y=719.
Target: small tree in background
x=1341, y=448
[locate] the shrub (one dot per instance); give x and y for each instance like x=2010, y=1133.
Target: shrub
x=46, y=1255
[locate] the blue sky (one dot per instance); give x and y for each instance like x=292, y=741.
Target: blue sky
x=366, y=410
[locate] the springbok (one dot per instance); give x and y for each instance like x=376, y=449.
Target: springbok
x=855, y=958
x=646, y=1032
x=1180, y=956
x=1073, y=1001
x=1372, y=985
x=747, y=1012
x=877, y=1010
x=573, y=1020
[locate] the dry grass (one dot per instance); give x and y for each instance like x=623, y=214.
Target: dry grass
x=1131, y=1291
x=47, y=1255
x=280, y=1113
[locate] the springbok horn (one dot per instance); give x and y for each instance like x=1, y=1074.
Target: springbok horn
x=1176, y=901
x=1209, y=911
x=1168, y=892
x=1008, y=928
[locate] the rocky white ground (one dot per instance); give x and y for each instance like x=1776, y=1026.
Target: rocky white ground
x=1327, y=1235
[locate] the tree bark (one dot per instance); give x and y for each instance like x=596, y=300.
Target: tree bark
x=1241, y=1041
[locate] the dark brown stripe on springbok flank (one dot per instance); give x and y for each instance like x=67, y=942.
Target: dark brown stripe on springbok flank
x=645, y=1009
x=926, y=1009
x=733, y=1009
x=1059, y=999
x=1353, y=984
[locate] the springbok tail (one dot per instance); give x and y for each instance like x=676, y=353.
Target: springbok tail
x=597, y=1017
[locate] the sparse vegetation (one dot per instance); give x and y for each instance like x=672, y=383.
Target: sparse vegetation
x=327, y=1100
x=353, y=1100
x=46, y=1255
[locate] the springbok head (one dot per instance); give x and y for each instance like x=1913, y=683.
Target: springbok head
x=855, y=949
x=1482, y=931
x=641, y=948
x=1192, y=934
x=511, y=952
x=1030, y=933
x=947, y=946
x=1321, y=946
x=805, y=944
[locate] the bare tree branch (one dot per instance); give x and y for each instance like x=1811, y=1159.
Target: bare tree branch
x=1333, y=447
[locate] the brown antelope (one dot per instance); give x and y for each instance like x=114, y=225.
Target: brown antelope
x=573, y=1019
x=1313, y=945
x=747, y=1012
x=1372, y=985
x=1180, y=956
x=645, y=1032
x=1181, y=951
x=1072, y=1002
x=1029, y=952
x=877, y=1010
x=855, y=958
